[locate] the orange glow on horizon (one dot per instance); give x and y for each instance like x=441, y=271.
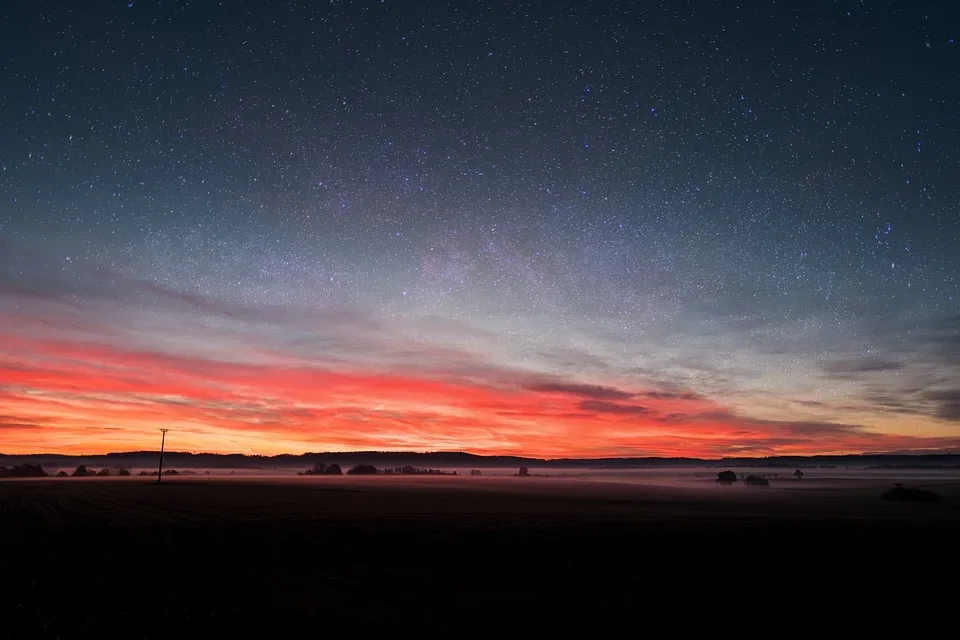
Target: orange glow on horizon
x=60, y=396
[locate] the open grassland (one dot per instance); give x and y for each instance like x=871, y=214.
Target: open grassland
x=264, y=557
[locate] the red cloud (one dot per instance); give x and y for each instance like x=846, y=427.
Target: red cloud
x=65, y=396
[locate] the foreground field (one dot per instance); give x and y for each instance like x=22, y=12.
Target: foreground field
x=196, y=556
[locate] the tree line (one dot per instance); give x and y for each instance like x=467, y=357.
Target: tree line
x=321, y=469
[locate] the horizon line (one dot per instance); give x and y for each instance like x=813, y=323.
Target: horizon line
x=945, y=452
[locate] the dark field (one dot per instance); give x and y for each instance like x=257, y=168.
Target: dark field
x=258, y=558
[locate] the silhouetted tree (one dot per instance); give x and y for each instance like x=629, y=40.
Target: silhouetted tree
x=81, y=472
x=798, y=474
x=524, y=472
x=756, y=481
x=333, y=470
x=62, y=474
x=726, y=477
x=122, y=472
x=104, y=473
x=23, y=471
x=318, y=469
x=362, y=470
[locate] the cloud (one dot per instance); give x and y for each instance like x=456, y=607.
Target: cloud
x=573, y=360
x=906, y=404
x=843, y=369
x=599, y=406
x=439, y=325
x=93, y=284
x=947, y=404
x=945, y=339
x=582, y=390
x=818, y=429
x=669, y=395
x=14, y=424
x=800, y=428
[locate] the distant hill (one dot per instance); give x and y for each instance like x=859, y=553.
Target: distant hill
x=459, y=459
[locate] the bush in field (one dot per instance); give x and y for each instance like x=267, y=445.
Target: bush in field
x=321, y=469
x=900, y=493
x=362, y=470
x=122, y=472
x=82, y=472
x=756, y=481
x=318, y=469
x=103, y=473
x=726, y=477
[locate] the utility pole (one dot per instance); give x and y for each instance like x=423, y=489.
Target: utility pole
x=163, y=440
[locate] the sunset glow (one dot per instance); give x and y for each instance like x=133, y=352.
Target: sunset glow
x=225, y=383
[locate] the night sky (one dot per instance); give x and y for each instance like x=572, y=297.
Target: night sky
x=558, y=229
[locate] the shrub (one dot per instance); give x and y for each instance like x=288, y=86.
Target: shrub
x=726, y=477
x=362, y=470
x=317, y=470
x=900, y=493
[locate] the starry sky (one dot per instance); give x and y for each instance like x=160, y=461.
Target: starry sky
x=551, y=228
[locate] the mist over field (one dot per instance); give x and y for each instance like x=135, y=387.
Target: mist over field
x=576, y=482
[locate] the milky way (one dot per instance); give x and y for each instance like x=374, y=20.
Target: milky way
x=560, y=228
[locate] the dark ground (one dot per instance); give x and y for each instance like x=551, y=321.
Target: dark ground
x=254, y=558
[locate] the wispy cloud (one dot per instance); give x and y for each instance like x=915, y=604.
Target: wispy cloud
x=947, y=403
x=852, y=367
x=601, y=407
x=581, y=390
